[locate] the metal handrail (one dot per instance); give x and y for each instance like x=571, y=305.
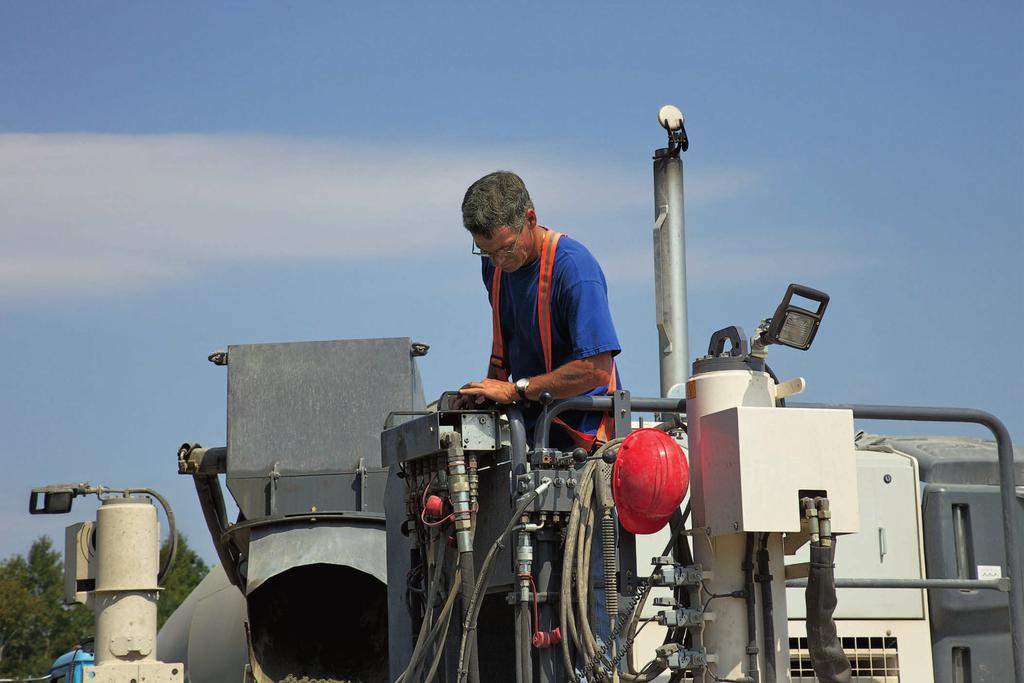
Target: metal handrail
x=599, y=404
x=1007, y=492
x=1000, y=584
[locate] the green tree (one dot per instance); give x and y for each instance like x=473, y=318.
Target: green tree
x=15, y=604
x=188, y=570
x=35, y=626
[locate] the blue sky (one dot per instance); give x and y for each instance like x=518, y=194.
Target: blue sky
x=175, y=179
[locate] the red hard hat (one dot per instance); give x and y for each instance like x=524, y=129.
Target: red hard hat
x=649, y=480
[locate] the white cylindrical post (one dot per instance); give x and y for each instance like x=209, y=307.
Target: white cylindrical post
x=725, y=636
x=127, y=563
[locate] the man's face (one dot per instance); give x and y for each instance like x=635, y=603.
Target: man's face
x=507, y=247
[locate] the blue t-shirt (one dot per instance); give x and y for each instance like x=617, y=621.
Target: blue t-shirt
x=581, y=323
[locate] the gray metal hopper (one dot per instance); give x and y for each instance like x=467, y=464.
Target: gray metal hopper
x=307, y=551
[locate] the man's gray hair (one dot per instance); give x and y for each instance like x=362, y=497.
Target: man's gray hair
x=496, y=200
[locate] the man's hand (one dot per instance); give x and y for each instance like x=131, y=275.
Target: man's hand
x=497, y=390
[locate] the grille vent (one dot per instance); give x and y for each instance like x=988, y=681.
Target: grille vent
x=874, y=659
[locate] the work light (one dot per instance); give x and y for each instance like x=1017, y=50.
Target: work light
x=794, y=326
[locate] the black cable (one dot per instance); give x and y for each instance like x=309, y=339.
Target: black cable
x=748, y=589
x=172, y=530
x=767, y=611
x=780, y=402
x=715, y=596
x=627, y=647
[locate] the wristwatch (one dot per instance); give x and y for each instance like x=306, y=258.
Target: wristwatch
x=522, y=386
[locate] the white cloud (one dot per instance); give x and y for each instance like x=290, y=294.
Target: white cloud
x=92, y=212
x=747, y=258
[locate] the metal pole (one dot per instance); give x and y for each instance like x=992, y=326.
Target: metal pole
x=670, y=271
x=1007, y=493
x=1002, y=584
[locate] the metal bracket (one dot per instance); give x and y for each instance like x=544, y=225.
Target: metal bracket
x=676, y=658
x=274, y=476
x=622, y=412
x=671, y=574
x=361, y=474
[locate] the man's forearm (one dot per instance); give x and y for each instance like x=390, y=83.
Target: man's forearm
x=572, y=379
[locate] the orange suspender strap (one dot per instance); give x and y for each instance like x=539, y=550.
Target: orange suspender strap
x=497, y=341
x=544, y=277
x=547, y=268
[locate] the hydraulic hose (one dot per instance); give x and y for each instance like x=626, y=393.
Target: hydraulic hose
x=483, y=579
x=582, y=551
x=574, y=614
x=524, y=639
x=461, y=495
x=443, y=621
x=468, y=583
x=517, y=439
x=585, y=538
x=827, y=656
x=565, y=604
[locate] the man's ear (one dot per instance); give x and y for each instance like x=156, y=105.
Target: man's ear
x=531, y=218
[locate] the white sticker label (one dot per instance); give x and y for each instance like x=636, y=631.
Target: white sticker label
x=987, y=572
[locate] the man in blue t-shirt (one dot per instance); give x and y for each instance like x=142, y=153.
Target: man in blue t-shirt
x=553, y=331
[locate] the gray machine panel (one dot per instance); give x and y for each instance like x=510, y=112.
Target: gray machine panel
x=948, y=459
x=420, y=436
x=964, y=539
x=415, y=438
x=299, y=412
x=886, y=547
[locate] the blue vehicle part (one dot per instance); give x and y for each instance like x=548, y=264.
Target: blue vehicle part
x=68, y=667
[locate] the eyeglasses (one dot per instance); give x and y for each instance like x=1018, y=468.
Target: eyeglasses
x=502, y=253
